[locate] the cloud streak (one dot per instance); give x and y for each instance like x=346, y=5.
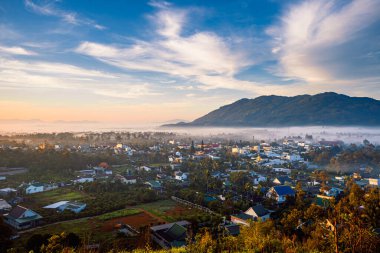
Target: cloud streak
x=32, y=75
x=72, y=18
x=16, y=51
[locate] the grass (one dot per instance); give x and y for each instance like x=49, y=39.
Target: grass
x=59, y=194
x=160, y=208
x=38, y=200
x=117, y=214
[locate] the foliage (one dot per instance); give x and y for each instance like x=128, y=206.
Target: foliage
x=117, y=214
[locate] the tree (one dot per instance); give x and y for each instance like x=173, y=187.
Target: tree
x=5, y=234
x=192, y=148
x=72, y=240
x=36, y=241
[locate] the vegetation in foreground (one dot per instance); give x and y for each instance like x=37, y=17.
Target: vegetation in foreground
x=345, y=226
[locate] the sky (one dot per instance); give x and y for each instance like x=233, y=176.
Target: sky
x=155, y=61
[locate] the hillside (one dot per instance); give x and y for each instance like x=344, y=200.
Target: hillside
x=325, y=109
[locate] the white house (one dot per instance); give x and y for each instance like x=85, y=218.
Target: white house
x=374, y=181
x=4, y=206
x=84, y=180
x=255, y=213
x=146, y=168
x=283, y=170
x=179, y=175
x=258, y=212
x=130, y=179
x=34, y=188
x=292, y=157
x=259, y=178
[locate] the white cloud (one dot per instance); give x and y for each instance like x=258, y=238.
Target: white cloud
x=73, y=18
x=16, y=51
x=311, y=37
x=25, y=75
x=202, y=57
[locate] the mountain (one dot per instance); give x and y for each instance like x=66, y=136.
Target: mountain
x=325, y=109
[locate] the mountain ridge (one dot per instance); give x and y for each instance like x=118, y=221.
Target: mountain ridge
x=323, y=109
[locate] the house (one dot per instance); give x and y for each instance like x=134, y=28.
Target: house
x=154, y=185
x=258, y=212
x=2, y=178
x=146, y=168
x=170, y=235
x=324, y=201
x=61, y=206
x=34, y=188
x=7, y=191
x=374, y=181
x=4, y=206
x=282, y=180
x=258, y=178
x=120, y=178
x=102, y=170
x=279, y=193
x=83, y=180
x=282, y=170
x=179, y=175
x=87, y=173
x=22, y=218
x=131, y=179
x=254, y=213
x=232, y=229
x=332, y=192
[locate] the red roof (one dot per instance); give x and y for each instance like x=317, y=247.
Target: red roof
x=104, y=165
x=17, y=211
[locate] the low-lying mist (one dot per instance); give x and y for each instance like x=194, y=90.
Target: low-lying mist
x=346, y=134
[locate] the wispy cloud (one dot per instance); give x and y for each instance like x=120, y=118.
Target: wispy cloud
x=16, y=51
x=31, y=75
x=50, y=9
x=320, y=40
x=202, y=57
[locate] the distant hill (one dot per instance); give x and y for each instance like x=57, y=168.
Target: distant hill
x=325, y=109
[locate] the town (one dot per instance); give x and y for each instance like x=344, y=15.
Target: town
x=122, y=190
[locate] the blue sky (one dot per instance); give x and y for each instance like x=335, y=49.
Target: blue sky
x=149, y=61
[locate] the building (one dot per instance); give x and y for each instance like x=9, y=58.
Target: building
x=179, y=175
x=374, y=181
x=254, y=213
x=280, y=193
x=7, y=191
x=154, y=185
x=22, y=218
x=258, y=178
x=34, y=188
x=170, y=235
x=282, y=180
x=61, y=206
x=130, y=179
x=4, y=206
x=83, y=180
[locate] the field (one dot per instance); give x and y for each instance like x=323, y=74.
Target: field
x=38, y=200
x=103, y=228
x=96, y=229
x=169, y=210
